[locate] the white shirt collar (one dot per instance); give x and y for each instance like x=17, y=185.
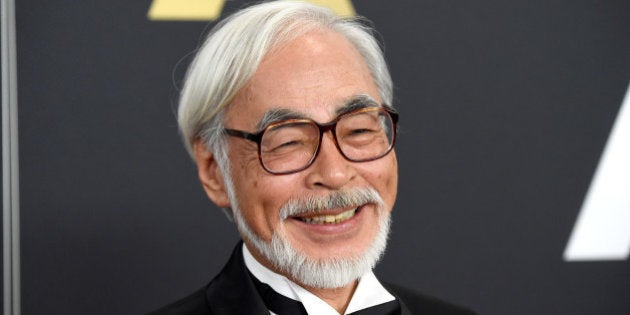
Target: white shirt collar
x=369, y=291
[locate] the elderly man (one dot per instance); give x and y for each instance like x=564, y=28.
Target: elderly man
x=287, y=111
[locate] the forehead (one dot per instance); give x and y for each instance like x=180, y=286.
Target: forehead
x=313, y=75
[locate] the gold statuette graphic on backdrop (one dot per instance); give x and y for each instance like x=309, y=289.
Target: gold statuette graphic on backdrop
x=210, y=10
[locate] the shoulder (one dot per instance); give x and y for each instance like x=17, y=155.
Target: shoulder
x=418, y=303
x=195, y=303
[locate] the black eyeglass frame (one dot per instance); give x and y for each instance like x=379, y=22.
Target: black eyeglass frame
x=332, y=125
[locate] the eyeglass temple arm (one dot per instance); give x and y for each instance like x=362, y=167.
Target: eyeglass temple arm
x=243, y=134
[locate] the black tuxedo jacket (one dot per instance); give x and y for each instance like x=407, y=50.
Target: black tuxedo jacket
x=232, y=292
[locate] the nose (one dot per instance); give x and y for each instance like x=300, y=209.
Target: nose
x=330, y=170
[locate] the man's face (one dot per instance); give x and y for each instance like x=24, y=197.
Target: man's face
x=313, y=76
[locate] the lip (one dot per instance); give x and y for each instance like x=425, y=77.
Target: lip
x=347, y=226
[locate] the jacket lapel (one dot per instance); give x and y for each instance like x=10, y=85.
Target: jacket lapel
x=404, y=310
x=232, y=290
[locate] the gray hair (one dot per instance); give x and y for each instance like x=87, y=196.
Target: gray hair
x=235, y=47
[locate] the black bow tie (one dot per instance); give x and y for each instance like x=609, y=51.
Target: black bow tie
x=282, y=305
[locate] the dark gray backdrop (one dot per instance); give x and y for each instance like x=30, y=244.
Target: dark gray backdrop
x=505, y=109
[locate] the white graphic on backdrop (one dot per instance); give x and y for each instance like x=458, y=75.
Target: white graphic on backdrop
x=602, y=229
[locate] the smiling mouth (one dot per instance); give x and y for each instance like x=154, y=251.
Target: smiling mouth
x=330, y=218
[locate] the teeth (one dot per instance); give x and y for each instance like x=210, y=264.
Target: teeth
x=330, y=219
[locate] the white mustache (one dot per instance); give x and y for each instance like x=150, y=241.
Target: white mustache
x=341, y=199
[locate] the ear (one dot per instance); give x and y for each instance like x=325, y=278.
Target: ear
x=210, y=175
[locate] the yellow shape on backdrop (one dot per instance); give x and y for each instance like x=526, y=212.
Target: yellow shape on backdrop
x=210, y=10
x=341, y=7
x=185, y=10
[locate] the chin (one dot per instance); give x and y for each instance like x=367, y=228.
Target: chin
x=325, y=267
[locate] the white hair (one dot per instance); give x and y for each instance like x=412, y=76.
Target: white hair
x=235, y=47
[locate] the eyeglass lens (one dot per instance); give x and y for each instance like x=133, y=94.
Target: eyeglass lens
x=361, y=136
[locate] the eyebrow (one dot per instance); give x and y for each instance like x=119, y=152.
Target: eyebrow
x=275, y=115
x=280, y=114
x=356, y=102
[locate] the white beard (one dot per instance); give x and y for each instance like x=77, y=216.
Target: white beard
x=325, y=273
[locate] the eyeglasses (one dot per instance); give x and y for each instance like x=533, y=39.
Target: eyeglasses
x=290, y=146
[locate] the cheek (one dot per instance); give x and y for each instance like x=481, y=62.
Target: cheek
x=273, y=191
x=394, y=172
x=394, y=181
x=261, y=195
x=387, y=179
x=243, y=156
